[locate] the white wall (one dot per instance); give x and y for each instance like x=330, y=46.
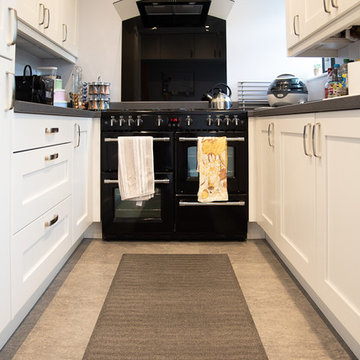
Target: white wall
x=100, y=43
x=256, y=44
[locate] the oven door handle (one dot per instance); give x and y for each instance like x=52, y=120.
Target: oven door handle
x=160, y=181
x=164, y=139
x=184, y=139
x=227, y=203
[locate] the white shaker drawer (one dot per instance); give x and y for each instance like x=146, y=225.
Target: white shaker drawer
x=40, y=180
x=36, y=250
x=35, y=131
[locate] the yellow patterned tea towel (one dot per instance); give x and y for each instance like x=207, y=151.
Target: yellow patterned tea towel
x=212, y=168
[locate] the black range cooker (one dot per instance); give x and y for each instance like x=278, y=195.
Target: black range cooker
x=174, y=212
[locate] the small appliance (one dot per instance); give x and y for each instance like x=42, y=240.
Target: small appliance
x=287, y=89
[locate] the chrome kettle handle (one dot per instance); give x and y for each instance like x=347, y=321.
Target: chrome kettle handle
x=227, y=87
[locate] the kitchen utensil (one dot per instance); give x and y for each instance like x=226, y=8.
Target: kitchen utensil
x=219, y=99
x=287, y=89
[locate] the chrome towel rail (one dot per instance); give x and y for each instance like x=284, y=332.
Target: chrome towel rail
x=183, y=139
x=164, y=139
x=226, y=203
x=161, y=181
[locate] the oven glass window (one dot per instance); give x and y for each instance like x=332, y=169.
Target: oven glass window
x=192, y=162
x=147, y=210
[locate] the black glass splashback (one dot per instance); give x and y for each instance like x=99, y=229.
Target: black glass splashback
x=172, y=64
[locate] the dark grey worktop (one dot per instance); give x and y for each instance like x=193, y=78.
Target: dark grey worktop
x=43, y=109
x=333, y=104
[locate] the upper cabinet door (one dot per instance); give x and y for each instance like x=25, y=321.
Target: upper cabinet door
x=294, y=21
x=68, y=23
x=8, y=28
x=317, y=13
x=43, y=16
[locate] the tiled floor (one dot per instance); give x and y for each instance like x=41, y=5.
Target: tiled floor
x=61, y=323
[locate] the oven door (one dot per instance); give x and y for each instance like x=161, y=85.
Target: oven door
x=163, y=150
x=215, y=220
x=127, y=220
x=187, y=177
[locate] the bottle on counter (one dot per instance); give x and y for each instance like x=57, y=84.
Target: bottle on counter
x=328, y=81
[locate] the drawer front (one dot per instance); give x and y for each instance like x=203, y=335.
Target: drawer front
x=35, y=131
x=37, y=250
x=40, y=180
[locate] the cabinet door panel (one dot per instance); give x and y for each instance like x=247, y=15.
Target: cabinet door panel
x=68, y=23
x=267, y=189
x=36, y=250
x=338, y=174
x=7, y=28
x=41, y=179
x=82, y=215
x=297, y=195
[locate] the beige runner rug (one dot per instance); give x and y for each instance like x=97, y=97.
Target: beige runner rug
x=175, y=307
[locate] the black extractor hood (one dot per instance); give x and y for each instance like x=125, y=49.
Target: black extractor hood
x=170, y=13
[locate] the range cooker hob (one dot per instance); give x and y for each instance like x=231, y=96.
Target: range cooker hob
x=174, y=212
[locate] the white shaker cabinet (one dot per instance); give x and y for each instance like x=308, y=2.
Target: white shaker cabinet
x=82, y=170
x=296, y=192
x=338, y=199
x=69, y=21
x=6, y=95
x=266, y=175
x=8, y=28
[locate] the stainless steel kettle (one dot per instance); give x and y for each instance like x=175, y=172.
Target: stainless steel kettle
x=219, y=99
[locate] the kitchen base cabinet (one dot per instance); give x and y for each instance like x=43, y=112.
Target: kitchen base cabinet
x=266, y=173
x=296, y=186
x=338, y=199
x=6, y=114
x=317, y=176
x=82, y=179
x=37, y=249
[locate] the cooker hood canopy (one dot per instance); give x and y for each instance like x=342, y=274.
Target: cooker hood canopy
x=173, y=13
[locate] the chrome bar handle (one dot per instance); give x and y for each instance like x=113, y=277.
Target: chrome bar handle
x=334, y=3
x=51, y=157
x=11, y=103
x=65, y=32
x=48, y=18
x=296, y=21
x=305, y=136
x=164, y=139
x=317, y=134
x=50, y=131
x=52, y=221
x=269, y=132
x=15, y=27
x=41, y=6
x=325, y=6
x=185, y=139
x=160, y=181
x=226, y=203
x=78, y=130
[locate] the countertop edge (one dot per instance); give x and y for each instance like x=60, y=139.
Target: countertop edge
x=350, y=102
x=44, y=109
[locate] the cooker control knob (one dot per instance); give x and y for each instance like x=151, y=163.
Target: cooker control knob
x=188, y=120
x=113, y=121
x=130, y=121
x=226, y=120
x=139, y=121
x=159, y=121
x=209, y=120
x=236, y=120
x=121, y=121
x=218, y=120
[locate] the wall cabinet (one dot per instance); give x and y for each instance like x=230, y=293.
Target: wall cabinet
x=8, y=28
x=55, y=19
x=311, y=212
x=313, y=26
x=82, y=171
